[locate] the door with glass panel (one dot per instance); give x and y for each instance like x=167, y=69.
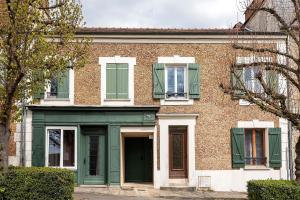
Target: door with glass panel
x=94, y=159
x=178, y=152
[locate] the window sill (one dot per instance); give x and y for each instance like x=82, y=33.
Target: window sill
x=243, y=102
x=116, y=100
x=176, y=102
x=56, y=99
x=256, y=167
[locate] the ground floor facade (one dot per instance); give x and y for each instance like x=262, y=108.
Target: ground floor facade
x=123, y=145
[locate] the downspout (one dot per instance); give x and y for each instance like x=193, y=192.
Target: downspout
x=290, y=171
x=23, y=132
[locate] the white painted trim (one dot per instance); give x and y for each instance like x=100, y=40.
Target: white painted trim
x=164, y=122
x=137, y=129
x=176, y=59
x=28, y=138
x=183, y=39
x=256, y=124
x=117, y=59
x=185, y=102
x=177, y=116
x=58, y=101
x=62, y=128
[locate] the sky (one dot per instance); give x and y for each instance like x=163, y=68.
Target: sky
x=162, y=13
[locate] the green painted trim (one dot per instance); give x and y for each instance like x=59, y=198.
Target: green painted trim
x=93, y=108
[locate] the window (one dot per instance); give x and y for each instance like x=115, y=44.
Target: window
x=255, y=147
x=117, y=81
x=61, y=147
x=59, y=86
x=176, y=86
x=176, y=80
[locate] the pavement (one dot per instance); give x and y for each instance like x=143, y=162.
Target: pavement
x=147, y=193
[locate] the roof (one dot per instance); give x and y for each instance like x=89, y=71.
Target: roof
x=165, y=31
x=252, y=9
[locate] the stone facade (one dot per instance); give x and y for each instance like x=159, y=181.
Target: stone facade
x=218, y=113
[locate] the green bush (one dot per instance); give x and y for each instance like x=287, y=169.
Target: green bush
x=273, y=189
x=38, y=183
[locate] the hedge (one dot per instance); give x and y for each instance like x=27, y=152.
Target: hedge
x=37, y=183
x=273, y=189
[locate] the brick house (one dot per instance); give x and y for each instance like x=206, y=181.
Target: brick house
x=147, y=108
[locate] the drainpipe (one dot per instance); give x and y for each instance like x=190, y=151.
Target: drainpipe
x=23, y=132
x=290, y=171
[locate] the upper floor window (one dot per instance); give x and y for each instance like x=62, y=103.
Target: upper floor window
x=176, y=86
x=59, y=86
x=176, y=80
x=250, y=80
x=117, y=80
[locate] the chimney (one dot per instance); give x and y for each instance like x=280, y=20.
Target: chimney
x=251, y=8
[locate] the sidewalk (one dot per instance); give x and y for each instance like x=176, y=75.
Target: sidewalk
x=88, y=193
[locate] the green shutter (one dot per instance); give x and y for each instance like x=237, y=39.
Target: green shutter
x=111, y=81
x=194, y=80
x=122, y=81
x=237, y=147
x=38, y=145
x=114, y=155
x=275, y=147
x=158, y=81
x=236, y=81
x=272, y=80
x=39, y=92
x=63, y=85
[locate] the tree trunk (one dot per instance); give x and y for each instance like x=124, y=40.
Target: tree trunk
x=4, y=140
x=297, y=161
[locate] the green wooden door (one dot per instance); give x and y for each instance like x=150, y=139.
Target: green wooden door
x=94, y=160
x=138, y=160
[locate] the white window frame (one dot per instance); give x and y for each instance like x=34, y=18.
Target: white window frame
x=61, y=128
x=175, y=76
x=176, y=61
x=103, y=61
x=60, y=101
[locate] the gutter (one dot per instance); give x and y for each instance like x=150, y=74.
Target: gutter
x=290, y=171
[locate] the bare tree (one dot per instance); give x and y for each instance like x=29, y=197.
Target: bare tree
x=270, y=78
x=37, y=42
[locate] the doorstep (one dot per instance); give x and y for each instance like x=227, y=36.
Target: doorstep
x=179, y=188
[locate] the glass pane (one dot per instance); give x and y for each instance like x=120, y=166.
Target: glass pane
x=259, y=147
x=53, y=87
x=171, y=81
x=93, y=156
x=180, y=81
x=69, y=148
x=54, y=148
x=248, y=77
x=248, y=147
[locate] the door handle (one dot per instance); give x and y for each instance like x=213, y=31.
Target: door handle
x=84, y=161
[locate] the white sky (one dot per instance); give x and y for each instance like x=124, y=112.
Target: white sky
x=162, y=13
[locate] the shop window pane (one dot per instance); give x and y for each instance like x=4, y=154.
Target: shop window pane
x=69, y=148
x=54, y=148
